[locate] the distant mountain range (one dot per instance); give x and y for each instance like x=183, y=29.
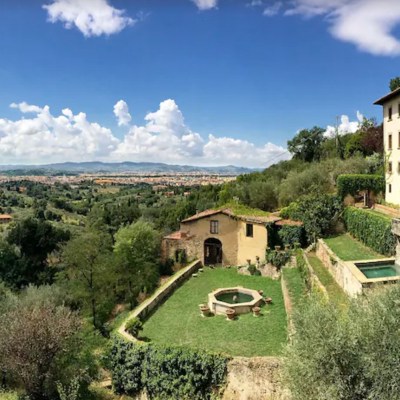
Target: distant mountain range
x=127, y=166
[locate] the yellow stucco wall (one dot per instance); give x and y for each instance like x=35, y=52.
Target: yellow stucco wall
x=250, y=247
x=392, y=127
x=236, y=247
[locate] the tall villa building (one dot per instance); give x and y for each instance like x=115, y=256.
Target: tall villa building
x=391, y=144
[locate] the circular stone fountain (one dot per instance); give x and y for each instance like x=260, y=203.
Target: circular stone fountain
x=238, y=298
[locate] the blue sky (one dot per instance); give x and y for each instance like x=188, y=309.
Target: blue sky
x=202, y=82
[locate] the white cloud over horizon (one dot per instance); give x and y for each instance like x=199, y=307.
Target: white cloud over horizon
x=92, y=18
x=164, y=137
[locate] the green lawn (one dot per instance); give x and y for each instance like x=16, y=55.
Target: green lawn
x=178, y=320
x=295, y=285
x=335, y=292
x=347, y=248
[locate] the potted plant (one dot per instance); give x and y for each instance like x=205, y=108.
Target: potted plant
x=204, y=309
x=230, y=313
x=256, y=311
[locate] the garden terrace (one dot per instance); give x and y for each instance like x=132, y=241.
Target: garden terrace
x=178, y=320
x=348, y=248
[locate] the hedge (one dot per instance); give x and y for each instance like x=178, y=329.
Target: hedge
x=355, y=183
x=371, y=229
x=165, y=372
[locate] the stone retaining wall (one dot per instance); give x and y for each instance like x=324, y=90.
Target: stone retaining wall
x=153, y=302
x=338, y=269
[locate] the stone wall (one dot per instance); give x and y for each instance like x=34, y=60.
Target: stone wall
x=338, y=269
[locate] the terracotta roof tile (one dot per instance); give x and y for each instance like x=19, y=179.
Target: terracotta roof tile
x=5, y=216
x=230, y=213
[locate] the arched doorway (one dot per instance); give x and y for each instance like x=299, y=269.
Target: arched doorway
x=212, y=252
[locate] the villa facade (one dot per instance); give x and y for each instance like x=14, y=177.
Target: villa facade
x=220, y=237
x=391, y=143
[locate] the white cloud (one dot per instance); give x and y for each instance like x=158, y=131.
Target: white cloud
x=48, y=138
x=205, y=4
x=242, y=152
x=121, y=111
x=91, y=17
x=345, y=126
x=368, y=24
x=26, y=108
x=273, y=9
x=163, y=137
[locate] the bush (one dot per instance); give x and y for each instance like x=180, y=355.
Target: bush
x=165, y=372
x=354, y=183
x=134, y=326
x=338, y=354
x=278, y=258
x=371, y=229
x=318, y=213
x=291, y=234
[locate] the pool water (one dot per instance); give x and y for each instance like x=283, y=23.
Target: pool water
x=379, y=271
x=234, y=297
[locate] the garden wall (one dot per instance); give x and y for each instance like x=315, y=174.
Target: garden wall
x=338, y=269
x=153, y=302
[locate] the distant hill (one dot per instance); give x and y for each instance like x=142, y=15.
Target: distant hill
x=127, y=166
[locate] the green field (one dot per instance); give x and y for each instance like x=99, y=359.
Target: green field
x=347, y=248
x=178, y=320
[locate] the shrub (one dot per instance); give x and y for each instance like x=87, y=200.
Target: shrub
x=278, y=258
x=134, y=326
x=371, y=229
x=252, y=269
x=355, y=183
x=291, y=234
x=346, y=354
x=165, y=372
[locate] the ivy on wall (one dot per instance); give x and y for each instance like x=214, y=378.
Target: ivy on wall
x=371, y=229
x=165, y=372
x=354, y=183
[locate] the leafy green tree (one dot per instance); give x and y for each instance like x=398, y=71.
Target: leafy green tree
x=394, y=83
x=318, y=212
x=89, y=273
x=306, y=145
x=137, y=248
x=313, y=180
x=35, y=239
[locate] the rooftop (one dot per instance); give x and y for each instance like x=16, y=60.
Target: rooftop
x=388, y=97
x=237, y=211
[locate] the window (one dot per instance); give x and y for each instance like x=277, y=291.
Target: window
x=390, y=142
x=249, y=230
x=213, y=226
x=398, y=167
x=390, y=167
x=398, y=110
x=399, y=141
x=390, y=113
x=390, y=188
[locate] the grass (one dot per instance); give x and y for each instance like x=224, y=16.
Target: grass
x=347, y=248
x=295, y=285
x=178, y=320
x=335, y=292
x=240, y=209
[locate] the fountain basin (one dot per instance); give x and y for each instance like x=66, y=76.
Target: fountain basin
x=238, y=298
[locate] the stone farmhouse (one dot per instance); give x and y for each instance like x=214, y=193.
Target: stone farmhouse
x=220, y=237
x=391, y=143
